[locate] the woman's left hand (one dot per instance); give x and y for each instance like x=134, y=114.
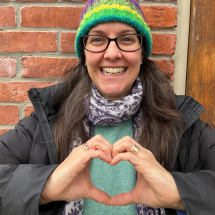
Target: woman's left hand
x=155, y=186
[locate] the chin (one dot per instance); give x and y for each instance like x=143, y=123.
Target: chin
x=113, y=95
x=113, y=92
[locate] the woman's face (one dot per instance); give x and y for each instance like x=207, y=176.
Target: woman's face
x=113, y=86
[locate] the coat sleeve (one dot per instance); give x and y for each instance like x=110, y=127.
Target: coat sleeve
x=197, y=187
x=21, y=183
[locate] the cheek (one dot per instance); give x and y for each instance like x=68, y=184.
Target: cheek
x=92, y=59
x=91, y=72
x=135, y=63
x=136, y=59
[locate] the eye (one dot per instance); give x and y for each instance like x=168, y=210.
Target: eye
x=127, y=39
x=97, y=40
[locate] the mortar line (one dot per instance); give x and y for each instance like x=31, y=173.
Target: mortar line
x=27, y=103
x=72, y=30
x=3, y=126
x=79, y=4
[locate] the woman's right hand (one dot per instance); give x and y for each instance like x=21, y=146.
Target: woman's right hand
x=71, y=179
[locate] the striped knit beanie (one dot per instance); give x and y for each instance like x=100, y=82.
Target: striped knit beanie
x=127, y=11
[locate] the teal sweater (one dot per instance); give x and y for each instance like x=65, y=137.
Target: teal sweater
x=112, y=179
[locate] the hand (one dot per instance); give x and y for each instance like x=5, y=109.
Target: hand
x=71, y=179
x=155, y=186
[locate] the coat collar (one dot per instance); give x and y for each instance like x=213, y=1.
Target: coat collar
x=190, y=109
x=49, y=97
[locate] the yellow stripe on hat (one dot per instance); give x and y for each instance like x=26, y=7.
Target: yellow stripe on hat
x=115, y=6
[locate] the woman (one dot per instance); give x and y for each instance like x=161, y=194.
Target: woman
x=154, y=155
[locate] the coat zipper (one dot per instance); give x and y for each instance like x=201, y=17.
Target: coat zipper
x=26, y=132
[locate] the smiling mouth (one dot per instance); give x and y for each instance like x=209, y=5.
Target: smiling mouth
x=113, y=71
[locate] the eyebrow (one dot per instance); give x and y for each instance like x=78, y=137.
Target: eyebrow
x=121, y=32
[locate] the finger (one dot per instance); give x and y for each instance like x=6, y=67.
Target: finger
x=80, y=158
x=123, y=199
x=123, y=139
x=91, y=154
x=124, y=145
x=93, y=146
x=118, y=149
x=128, y=156
x=99, y=196
x=100, y=143
x=101, y=139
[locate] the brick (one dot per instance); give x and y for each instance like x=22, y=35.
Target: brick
x=2, y=131
x=67, y=44
x=7, y=67
x=28, y=42
x=17, y=91
x=44, y=67
x=63, y=17
x=160, y=16
x=7, y=17
x=164, y=44
x=9, y=114
x=28, y=110
x=167, y=67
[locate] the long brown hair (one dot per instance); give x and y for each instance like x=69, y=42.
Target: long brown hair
x=160, y=122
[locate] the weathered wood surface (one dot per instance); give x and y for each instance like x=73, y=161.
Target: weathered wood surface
x=201, y=57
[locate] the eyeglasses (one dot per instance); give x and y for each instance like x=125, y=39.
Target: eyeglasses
x=125, y=42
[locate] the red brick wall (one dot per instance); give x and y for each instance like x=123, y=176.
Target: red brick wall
x=37, y=46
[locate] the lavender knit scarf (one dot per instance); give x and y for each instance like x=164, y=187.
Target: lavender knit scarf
x=106, y=112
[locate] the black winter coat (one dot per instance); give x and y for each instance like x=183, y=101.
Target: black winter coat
x=28, y=157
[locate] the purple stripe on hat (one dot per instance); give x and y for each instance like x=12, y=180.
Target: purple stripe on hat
x=138, y=7
x=91, y=2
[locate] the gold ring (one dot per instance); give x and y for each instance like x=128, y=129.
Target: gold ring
x=86, y=146
x=134, y=149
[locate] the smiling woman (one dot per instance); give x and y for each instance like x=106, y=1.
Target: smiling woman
x=112, y=138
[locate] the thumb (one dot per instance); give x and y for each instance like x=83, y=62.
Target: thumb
x=99, y=196
x=123, y=199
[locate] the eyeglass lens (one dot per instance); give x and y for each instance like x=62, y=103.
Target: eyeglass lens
x=98, y=43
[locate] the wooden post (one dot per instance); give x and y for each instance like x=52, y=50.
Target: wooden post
x=201, y=57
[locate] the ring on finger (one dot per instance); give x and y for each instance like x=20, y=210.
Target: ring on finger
x=86, y=146
x=134, y=149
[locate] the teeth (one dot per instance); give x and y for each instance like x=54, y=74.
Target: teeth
x=113, y=71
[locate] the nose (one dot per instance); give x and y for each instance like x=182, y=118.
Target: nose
x=112, y=52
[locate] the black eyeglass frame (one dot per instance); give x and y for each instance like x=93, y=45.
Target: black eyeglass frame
x=112, y=39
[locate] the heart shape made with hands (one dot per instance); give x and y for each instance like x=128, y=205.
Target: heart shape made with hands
x=157, y=183
x=72, y=180
x=104, y=171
